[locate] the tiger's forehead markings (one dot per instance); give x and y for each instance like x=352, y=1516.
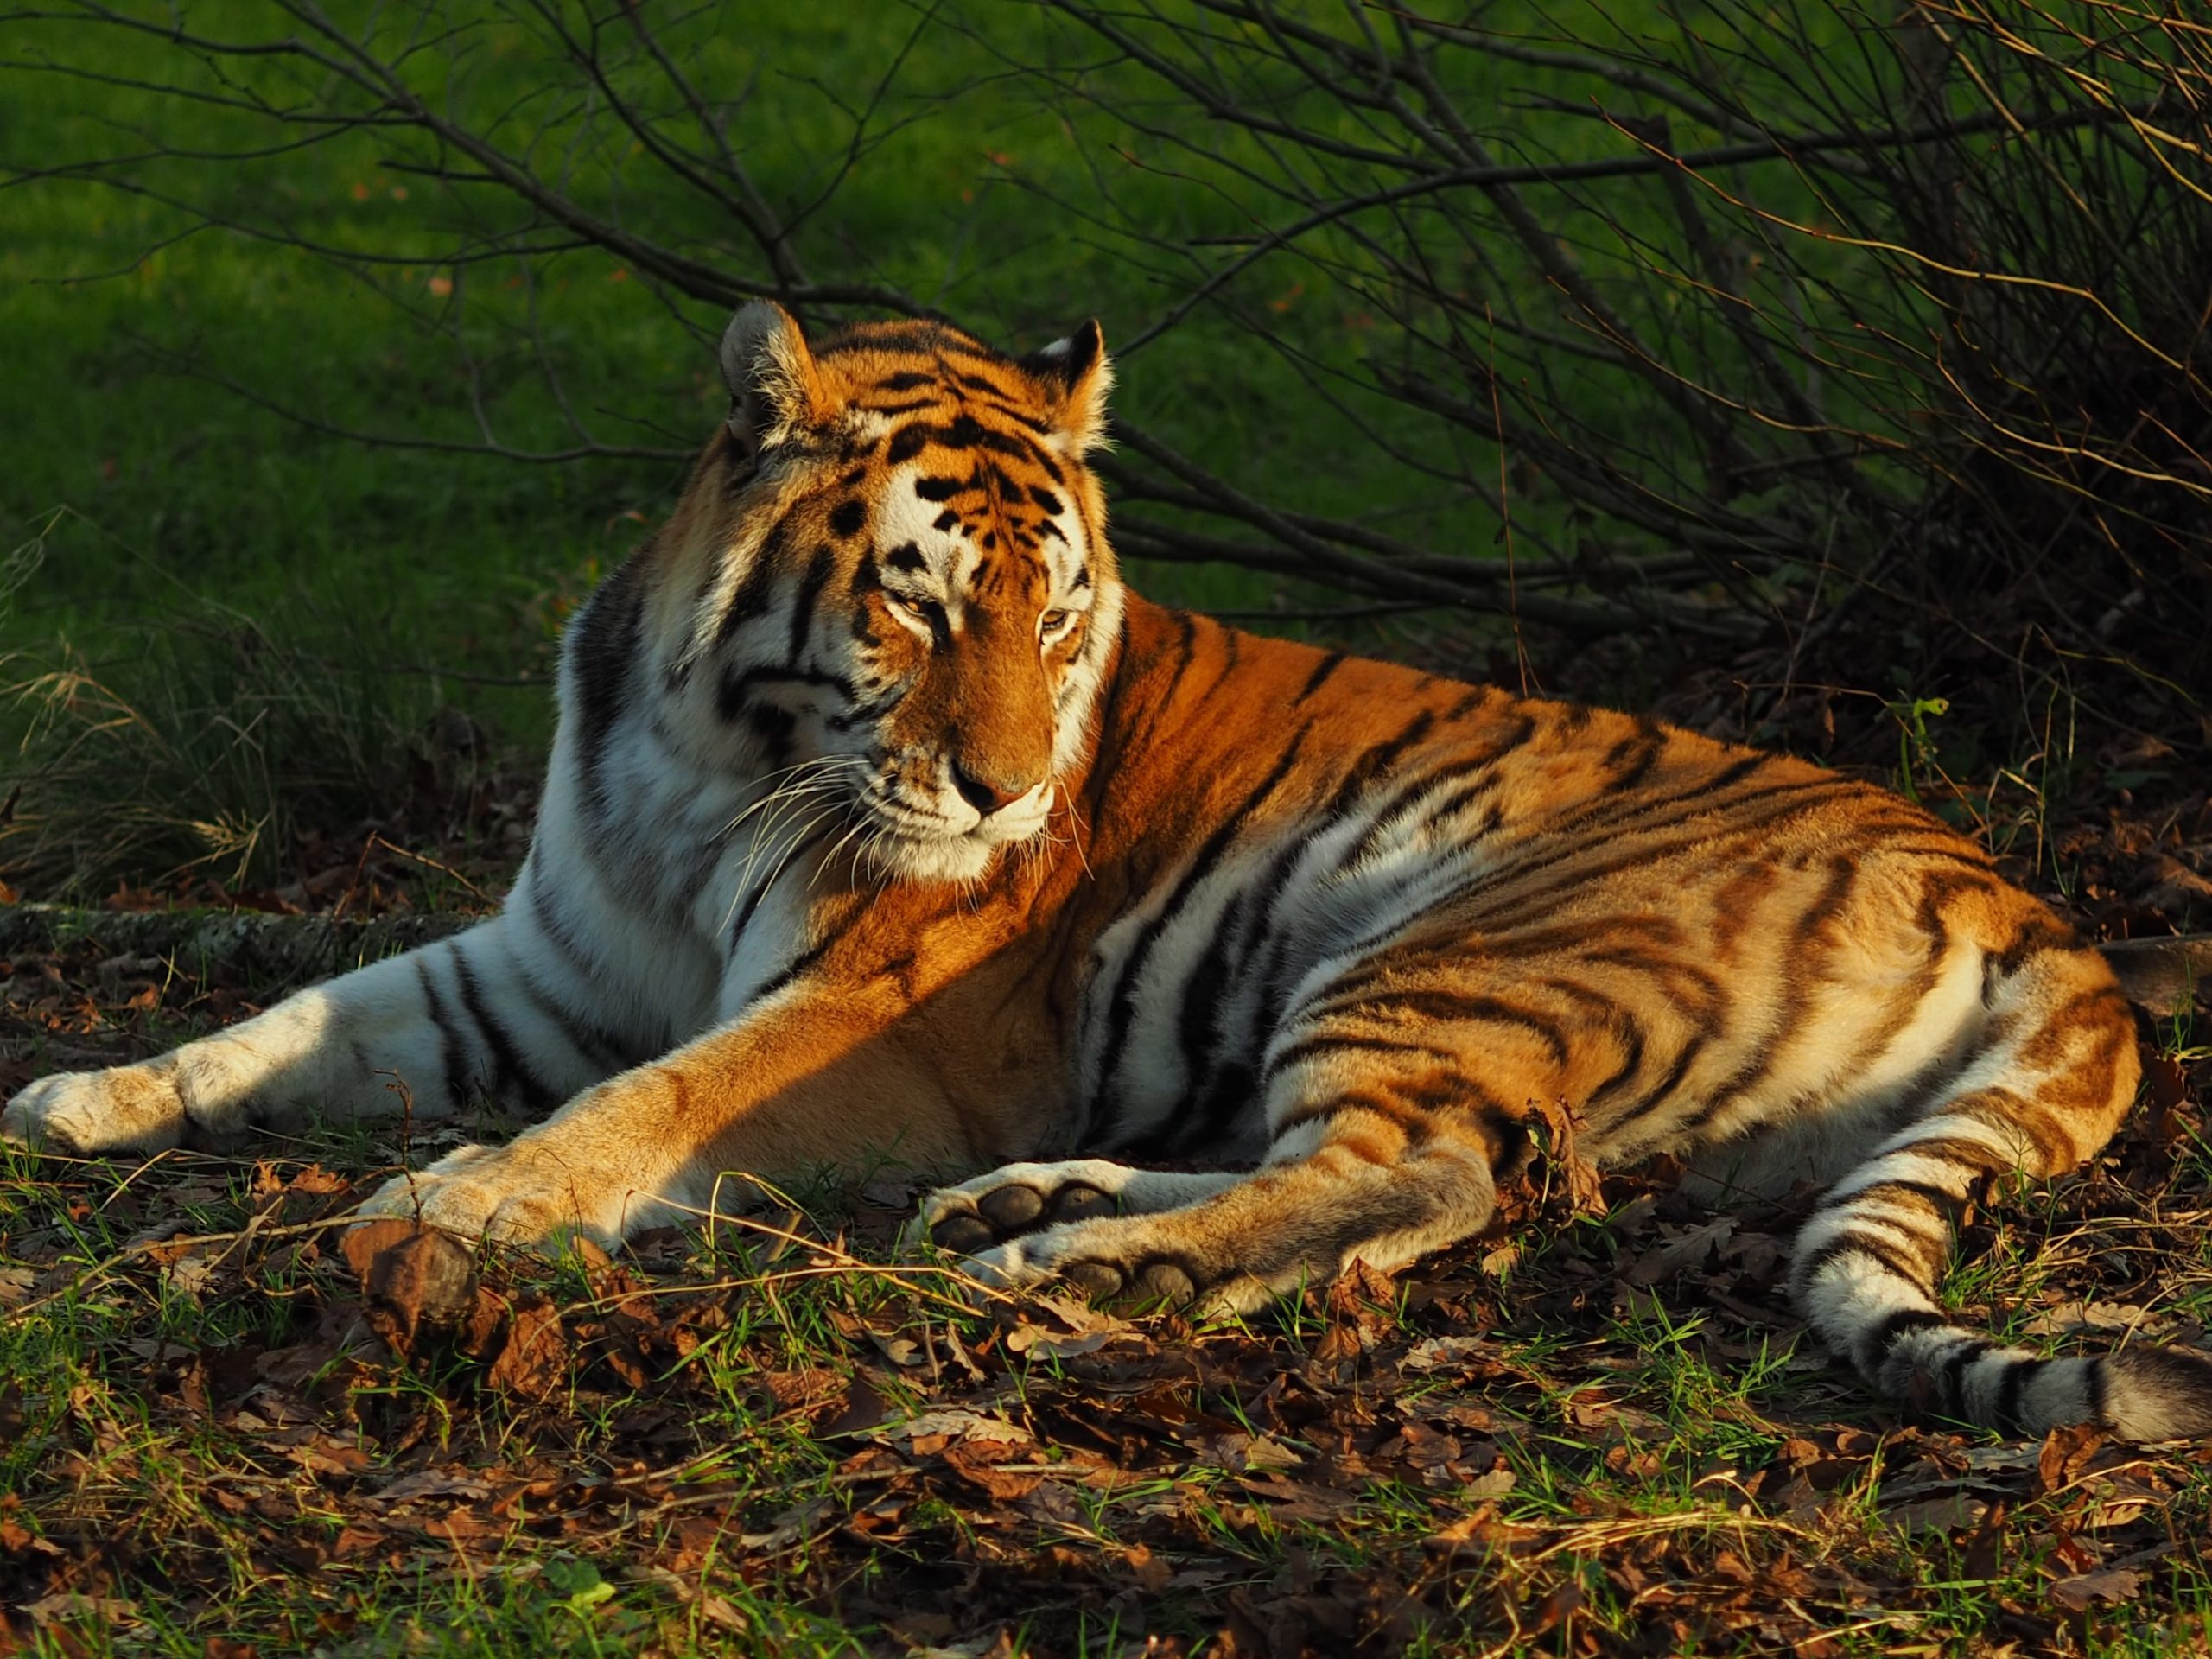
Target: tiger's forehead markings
x=974, y=503
x=978, y=535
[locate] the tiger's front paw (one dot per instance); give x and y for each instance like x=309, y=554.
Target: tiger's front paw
x=1014, y=1200
x=509, y=1193
x=134, y=1108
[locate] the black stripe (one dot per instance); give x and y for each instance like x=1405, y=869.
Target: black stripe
x=1876, y=1341
x=732, y=703
x=750, y=600
x=592, y=1041
x=1444, y=1006
x=1787, y=1023
x=1877, y=1250
x=603, y=649
x=1633, y=1038
x=1122, y=1011
x=1952, y=1380
x=1205, y=990
x=506, y=1059
x=1200, y=1126
x=1633, y=757
x=2010, y=1387
x=556, y=929
x=455, y=1078
x=1946, y=1208
x=810, y=590
x=1583, y=839
x=1307, y=1048
x=1186, y=649
x=813, y=954
x=1321, y=675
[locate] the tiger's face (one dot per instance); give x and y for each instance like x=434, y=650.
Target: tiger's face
x=914, y=603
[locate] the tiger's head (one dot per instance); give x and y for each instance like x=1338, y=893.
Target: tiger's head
x=903, y=600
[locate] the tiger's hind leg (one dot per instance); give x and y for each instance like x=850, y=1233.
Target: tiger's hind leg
x=1019, y=1199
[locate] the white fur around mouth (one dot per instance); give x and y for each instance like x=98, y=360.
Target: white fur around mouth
x=956, y=856
x=902, y=855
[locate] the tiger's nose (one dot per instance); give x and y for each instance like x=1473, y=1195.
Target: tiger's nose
x=987, y=796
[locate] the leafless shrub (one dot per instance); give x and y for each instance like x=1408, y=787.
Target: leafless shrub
x=1789, y=302
x=1711, y=319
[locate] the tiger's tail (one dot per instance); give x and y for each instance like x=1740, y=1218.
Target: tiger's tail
x=2055, y=1072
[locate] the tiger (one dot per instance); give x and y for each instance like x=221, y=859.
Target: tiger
x=885, y=824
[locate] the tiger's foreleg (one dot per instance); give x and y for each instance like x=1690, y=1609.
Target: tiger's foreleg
x=1355, y=1184
x=806, y=1082
x=1381, y=1173
x=1018, y=1198
x=480, y=1013
x=1393, y=1094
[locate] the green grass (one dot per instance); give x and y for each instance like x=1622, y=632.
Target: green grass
x=172, y=537
x=225, y=1430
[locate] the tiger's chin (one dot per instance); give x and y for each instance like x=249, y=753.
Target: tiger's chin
x=902, y=855
x=939, y=858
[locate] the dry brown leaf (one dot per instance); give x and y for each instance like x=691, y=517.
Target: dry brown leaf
x=536, y=1356
x=416, y=1280
x=1564, y=1160
x=2112, y=1584
x=979, y=1464
x=1945, y=1514
x=1687, y=1250
x=1035, y=1340
x=54, y=1610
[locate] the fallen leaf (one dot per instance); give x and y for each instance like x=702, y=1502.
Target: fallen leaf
x=1687, y=1250
x=537, y=1354
x=798, y=1521
x=54, y=1610
x=2071, y=1318
x=415, y=1280
x=2111, y=1584
x=1436, y=1353
x=1946, y=1513
x=954, y=1423
x=1035, y=1340
x=979, y=1462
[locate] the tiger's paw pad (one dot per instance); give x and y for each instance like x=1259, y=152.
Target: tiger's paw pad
x=130, y=1108
x=967, y=1220
x=1020, y=1265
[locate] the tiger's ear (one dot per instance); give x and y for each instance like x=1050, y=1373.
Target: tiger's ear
x=776, y=391
x=1075, y=377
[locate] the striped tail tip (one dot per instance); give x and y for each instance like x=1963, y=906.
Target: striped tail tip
x=2137, y=1393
